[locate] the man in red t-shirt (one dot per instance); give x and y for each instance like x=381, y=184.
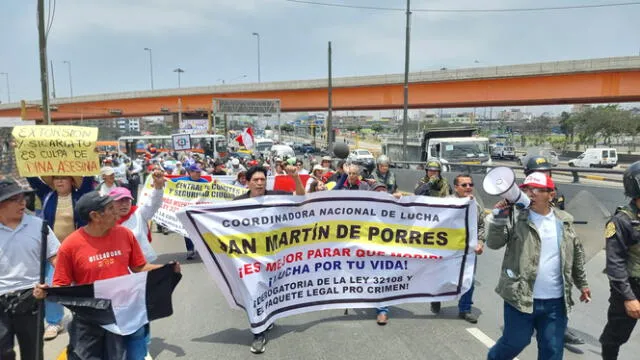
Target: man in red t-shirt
x=100, y=250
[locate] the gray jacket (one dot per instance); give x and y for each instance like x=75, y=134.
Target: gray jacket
x=522, y=255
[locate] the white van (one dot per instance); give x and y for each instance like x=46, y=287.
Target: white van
x=596, y=157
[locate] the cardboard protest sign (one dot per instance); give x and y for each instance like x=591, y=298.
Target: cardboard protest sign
x=56, y=150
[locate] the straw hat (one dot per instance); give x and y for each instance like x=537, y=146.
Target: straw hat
x=76, y=181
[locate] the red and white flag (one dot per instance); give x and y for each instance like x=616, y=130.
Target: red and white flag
x=246, y=138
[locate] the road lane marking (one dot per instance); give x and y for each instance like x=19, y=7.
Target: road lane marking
x=482, y=337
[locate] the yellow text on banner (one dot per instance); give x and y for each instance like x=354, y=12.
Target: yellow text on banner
x=56, y=150
x=360, y=232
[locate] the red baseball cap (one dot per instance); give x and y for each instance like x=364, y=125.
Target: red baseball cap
x=538, y=180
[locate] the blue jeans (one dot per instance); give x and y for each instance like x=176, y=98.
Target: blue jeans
x=137, y=342
x=53, y=312
x=549, y=320
x=466, y=300
x=189, y=244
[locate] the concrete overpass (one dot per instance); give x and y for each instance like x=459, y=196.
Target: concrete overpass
x=615, y=79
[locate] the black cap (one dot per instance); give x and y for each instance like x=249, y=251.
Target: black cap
x=9, y=188
x=92, y=201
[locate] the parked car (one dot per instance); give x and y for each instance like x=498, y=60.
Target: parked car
x=297, y=146
x=549, y=154
x=308, y=148
x=360, y=154
x=240, y=155
x=596, y=157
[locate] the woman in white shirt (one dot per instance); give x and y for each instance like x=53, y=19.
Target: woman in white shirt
x=316, y=175
x=136, y=218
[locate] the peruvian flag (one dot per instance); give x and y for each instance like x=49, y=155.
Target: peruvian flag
x=246, y=138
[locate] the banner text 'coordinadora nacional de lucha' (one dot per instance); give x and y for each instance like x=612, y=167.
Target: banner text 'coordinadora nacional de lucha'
x=276, y=256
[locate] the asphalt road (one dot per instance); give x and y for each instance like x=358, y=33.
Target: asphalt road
x=203, y=326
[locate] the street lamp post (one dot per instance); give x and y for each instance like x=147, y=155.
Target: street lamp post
x=257, y=35
x=70, y=80
x=150, y=64
x=8, y=88
x=405, y=108
x=179, y=71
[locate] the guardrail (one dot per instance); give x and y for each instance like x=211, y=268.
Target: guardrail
x=575, y=172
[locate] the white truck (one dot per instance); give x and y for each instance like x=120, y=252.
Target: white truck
x=502, y=151
x=262, y=146
x=596, y=157
x=448, y=145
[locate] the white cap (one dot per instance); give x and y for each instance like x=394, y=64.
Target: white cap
x=318, y=167
x=235, y=162
x=107, y=170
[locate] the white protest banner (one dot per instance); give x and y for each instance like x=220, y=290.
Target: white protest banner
x=276, y=256
x=192, y=193
x=179, y=194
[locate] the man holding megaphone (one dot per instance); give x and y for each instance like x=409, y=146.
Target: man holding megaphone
x=542, y=260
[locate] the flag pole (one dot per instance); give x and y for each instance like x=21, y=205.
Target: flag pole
x=43, y=270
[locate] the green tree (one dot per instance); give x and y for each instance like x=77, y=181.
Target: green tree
x=632, y=128
x=377, y=128
x=286, y=128
x=567, y=126
x=539, y=129
x=606, y=121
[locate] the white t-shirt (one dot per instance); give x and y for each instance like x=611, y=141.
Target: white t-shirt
x=20, y=254
x=105, y=189
x=549, y=283
x=121, y=173
x=138, y=223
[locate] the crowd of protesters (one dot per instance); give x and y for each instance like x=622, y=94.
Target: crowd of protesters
x=83, y=212
x=87, y=217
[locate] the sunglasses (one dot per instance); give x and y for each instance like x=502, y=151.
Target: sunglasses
x=466, y=185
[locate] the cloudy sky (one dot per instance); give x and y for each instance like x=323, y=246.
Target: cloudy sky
x=212, y=40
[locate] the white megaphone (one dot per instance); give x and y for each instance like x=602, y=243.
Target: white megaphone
x=501, y=181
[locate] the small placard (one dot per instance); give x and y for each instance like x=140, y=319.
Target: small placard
x=181, y=142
